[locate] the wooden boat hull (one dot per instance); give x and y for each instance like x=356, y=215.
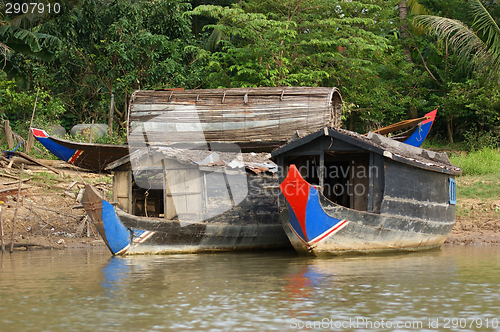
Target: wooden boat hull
x=316, y=225
x=237, y=229
x=94, y=157
x=420, y=134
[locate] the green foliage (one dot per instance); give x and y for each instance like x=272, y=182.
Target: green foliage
x=118, y=138
x=481, y=162
x=18, y=36
x=350, y=45
x=116, y=47
x=17, y=106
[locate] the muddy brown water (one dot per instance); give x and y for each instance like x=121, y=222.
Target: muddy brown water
x=456, y=288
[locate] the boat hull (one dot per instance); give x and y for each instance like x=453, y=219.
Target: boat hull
x=94, y=157
x=318, y=226
x=420, y=134
x=236, y=229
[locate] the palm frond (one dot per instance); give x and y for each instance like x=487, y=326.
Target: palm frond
x=416, y=8
x=459, y=36
x=486, y=25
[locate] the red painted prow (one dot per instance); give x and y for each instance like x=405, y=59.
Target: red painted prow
x=431, y=117
x=296, y=191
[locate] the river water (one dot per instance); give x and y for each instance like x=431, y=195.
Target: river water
x=456, y=288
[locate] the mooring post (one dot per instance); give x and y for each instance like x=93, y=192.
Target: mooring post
x=17, y=207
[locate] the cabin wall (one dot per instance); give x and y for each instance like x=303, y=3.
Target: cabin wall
x=415, y=192
x=183, y=190
x=376, y=183
x=122, y=189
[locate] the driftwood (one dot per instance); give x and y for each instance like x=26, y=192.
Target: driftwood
x=80, y=195
x=33, y=245
x=9, y=176
x=15, y=211
x=85, y=224
x=69, y=194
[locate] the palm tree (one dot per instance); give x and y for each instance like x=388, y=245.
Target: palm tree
x=478, y=47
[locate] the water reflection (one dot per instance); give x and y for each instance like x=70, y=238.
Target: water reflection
x=245, y=291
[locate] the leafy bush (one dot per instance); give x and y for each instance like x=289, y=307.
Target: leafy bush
x=474, y=140
x=17, y=107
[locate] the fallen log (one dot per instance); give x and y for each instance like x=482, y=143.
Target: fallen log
x=36, y=161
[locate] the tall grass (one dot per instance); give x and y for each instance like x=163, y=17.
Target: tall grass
x=480, y=162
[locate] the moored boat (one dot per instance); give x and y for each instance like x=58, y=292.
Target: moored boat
x=91, y=156
x=170, y=200
x=348, y=193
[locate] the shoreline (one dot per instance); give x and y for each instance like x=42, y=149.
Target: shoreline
x=50, y=215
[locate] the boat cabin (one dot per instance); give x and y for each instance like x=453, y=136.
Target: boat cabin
x=257, y=119
x=192, y=185
x=373, y=173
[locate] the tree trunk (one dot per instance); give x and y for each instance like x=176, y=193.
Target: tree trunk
x=403, y=12
x=449, y=127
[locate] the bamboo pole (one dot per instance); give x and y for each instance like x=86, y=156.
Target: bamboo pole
x=17, y=207
x=1, y=231
x=31, y=138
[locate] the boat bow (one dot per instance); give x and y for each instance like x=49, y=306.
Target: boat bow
x=307, y=220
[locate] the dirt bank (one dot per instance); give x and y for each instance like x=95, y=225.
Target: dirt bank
x=50, y=215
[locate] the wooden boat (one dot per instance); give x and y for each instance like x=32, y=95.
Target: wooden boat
x=257, y=119
x=416, y=135
x=348, y=193
x=91, y=156
x=170, y=200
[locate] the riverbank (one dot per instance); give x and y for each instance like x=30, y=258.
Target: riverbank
x=49, y=211
x=50, y=215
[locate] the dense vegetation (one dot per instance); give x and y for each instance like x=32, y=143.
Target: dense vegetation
x=387, y=66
